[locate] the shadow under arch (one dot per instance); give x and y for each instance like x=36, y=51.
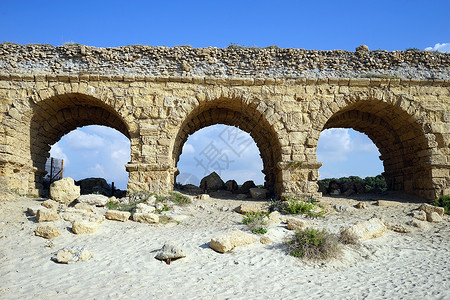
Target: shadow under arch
x=400, y=139
x=234, y=112
x=58, y=115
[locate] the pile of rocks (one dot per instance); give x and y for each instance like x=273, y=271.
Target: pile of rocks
x=213, y=184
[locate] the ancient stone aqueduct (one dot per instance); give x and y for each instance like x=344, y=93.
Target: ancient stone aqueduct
x=158, y=96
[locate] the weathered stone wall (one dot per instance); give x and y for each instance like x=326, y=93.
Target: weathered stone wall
x=408, y=119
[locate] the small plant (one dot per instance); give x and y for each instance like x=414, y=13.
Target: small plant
x=259, y=230
x=257, y=222
x=297, y=206
x=164, y=208
x=314, y=244
x=174, y=197
x=347, y=237
x=443, y=201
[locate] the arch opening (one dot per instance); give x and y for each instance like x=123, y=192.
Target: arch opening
x=399, y=139
x=246, y=117
x=55, y=117
x=226, y=150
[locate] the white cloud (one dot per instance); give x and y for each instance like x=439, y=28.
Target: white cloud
x=188, y=148
x=444, y=47
x=334, y=145
x=78, y=139
x=57, y=152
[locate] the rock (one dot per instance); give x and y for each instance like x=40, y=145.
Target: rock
x=265, y=240
x=388, y=203
x=170, y=251
x=297, y=224
x=84, y=227
x=428, y=208
x=245, y=188
x=46, y=215
x=32, y=210
x=241, y=196
x=275, y=218
x=84, y=206
x=146, y=209
x=361, y=205
x=250, y=208
x=340, y=208
x=203, y=197
x=434, y=217
x=212, y=182
x=118, y=215
x=52, y=204
x=334, y=187
x=397, y=228
x=231, y=185
x=419, y=215
x=354, y=187
x=322, y=188
x=192, y=189
x=148, y=218
x=370, y=229
x=419, y=224
x=64, y=190
x=93, y=199
x=47, y=231
x=71, y=255
x=258, y=193
x=362, y=49
x=228, y=241
x=94, y=186
x=71, y=217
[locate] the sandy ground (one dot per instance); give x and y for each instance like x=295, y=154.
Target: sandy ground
x=413, y=265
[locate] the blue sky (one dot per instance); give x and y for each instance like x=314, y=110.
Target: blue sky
x=322, y=25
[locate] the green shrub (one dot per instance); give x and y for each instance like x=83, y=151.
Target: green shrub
x=314, y=244
x=259, y=230
x=296, y=206
x=443, y=201
x=257, y=222
x=174, y=197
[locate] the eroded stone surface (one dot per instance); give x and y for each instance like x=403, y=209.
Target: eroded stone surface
x=228, y=241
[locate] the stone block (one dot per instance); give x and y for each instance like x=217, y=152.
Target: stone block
x=46, y=215
x=228, y=241
x=118, y=215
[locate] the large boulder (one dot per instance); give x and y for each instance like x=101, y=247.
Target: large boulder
x=258, y=193
x=84, y=227
x=93, y=199
x=46, y=215
x=250, y=207
x=64, y=190
x=245, y=188
x=370, y=229
x=94, y=186
x=47, y=231
x=170, y=251
x=334, y=187
x=148, y=218
x=118, y=215
x=71, y=255
x=354, y=187
x=297, y=224
x=228, y=241
x=212, y=182
x=231, y=185
x=428, y=208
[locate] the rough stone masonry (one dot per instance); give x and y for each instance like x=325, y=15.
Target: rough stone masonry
x=284, y=98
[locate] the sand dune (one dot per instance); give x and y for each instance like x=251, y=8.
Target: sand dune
x=410, y=266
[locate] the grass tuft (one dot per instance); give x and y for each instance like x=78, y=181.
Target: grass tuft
x=314, y=244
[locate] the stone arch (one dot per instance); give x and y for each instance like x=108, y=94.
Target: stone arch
x=57, y=115
x=403, y=144
x=247, y=117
